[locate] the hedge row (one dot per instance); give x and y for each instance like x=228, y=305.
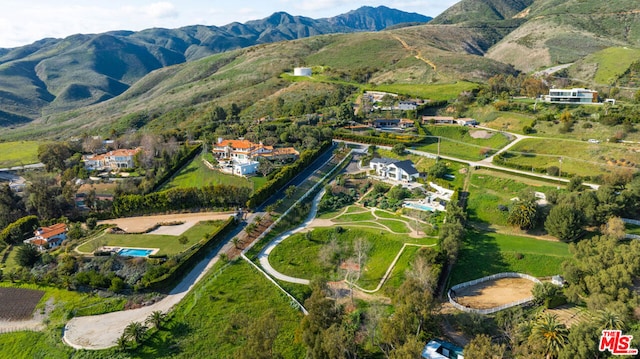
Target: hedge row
x=188, y=259
x=286, y=174
x=19, y=230
x=176, y=199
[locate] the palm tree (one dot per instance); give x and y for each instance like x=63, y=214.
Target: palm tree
x=607, y=319
x=552, y=333
x=135, y=331
x=123, y=342
x=156, y=318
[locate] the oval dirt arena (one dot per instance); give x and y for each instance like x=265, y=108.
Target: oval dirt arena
x=494, y=293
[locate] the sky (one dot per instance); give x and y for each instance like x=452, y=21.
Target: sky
x=25, y=21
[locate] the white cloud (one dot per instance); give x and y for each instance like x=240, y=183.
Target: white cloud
x=162, y=10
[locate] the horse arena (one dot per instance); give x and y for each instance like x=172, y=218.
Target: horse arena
x=493, y=293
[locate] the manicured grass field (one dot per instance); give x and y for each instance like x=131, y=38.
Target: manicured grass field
x=197, y=174
x=490, y=253
x=300, y=257
x=207, y=323
x=18, y=153
x=168, y=244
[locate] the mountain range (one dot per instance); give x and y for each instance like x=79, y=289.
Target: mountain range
x=57, y=84
x=53, y=75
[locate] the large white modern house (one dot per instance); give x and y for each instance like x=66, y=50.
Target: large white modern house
x=572, y=96
x=396, y=170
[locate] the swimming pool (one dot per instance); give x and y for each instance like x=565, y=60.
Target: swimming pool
x=135, y=252
x=419, y=206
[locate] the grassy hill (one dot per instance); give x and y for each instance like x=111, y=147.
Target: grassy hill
x=607, y=66
x=558, y=32
x=481, y=10
x=183, y=95
x=54, y=75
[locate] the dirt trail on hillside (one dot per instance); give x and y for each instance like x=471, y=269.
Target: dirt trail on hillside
x=418, y=53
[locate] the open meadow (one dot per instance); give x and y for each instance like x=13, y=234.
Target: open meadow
x=486, y=253
x=18, y=153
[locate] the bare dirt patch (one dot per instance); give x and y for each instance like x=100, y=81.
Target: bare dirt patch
x=18, y=303
x=481, y=134
x=176, y=230
x=494, y=293
x=145, y=223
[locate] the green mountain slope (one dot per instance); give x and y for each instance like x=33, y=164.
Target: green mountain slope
x=184, y=95
x=54, y=75
x=481, y=10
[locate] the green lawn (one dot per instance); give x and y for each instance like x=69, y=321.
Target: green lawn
x=197, y=174
x=18, y=153
x=208, y=322
x=490, y=253
x=632, y=229
x=503, y=121
x=168, y=244
x=612, y=63
x=300, y=257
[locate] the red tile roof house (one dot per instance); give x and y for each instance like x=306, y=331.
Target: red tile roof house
x=116, y=159
x=48, y=237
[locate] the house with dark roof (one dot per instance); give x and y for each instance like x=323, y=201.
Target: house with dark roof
x=396, y=170
x=48, y=237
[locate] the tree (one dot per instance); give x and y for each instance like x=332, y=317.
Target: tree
x=399, y=149
x=609, y=320
x=135, y=332
x=544, y=291
x=53, y=155
x=345, y=114
x=183, y=240
x=156, y=319
x=615, y=228
x=565, y=222
x=481, y=347
x=265, y=166
x=575, y=184
x=290, y=191
x=123, y=342
x=523, y=214
x=438, y=170
x=451, y=236
x=27, y=255
x=551, y=333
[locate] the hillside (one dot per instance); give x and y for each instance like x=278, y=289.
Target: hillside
x=183, y=95
x=558, y=32
x=54, y=75
x=481, y=10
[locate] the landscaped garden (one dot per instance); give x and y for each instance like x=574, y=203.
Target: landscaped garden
x=489, y=253
x=323, y=252
x=167, y=244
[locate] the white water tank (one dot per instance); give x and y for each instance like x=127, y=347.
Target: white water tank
x=302, y=71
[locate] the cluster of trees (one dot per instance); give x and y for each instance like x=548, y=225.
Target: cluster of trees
x=329, y=331
x=571, y=211
x=390, y=198
x=453, y=232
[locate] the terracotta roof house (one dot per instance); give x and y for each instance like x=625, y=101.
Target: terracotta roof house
x=48, y=237
x=239, y=157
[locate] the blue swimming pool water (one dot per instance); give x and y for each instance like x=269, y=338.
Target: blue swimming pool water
x=135, y=252
x=419, y=206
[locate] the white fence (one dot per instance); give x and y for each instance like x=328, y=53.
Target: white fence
x=631, y=221
x=485, y=279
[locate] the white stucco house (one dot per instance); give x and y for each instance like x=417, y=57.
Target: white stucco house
x=396, y=170
x=48, y=237
x=240, y=157
x=572, y=96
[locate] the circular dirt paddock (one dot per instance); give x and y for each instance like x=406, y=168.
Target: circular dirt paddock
x=494, y=293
